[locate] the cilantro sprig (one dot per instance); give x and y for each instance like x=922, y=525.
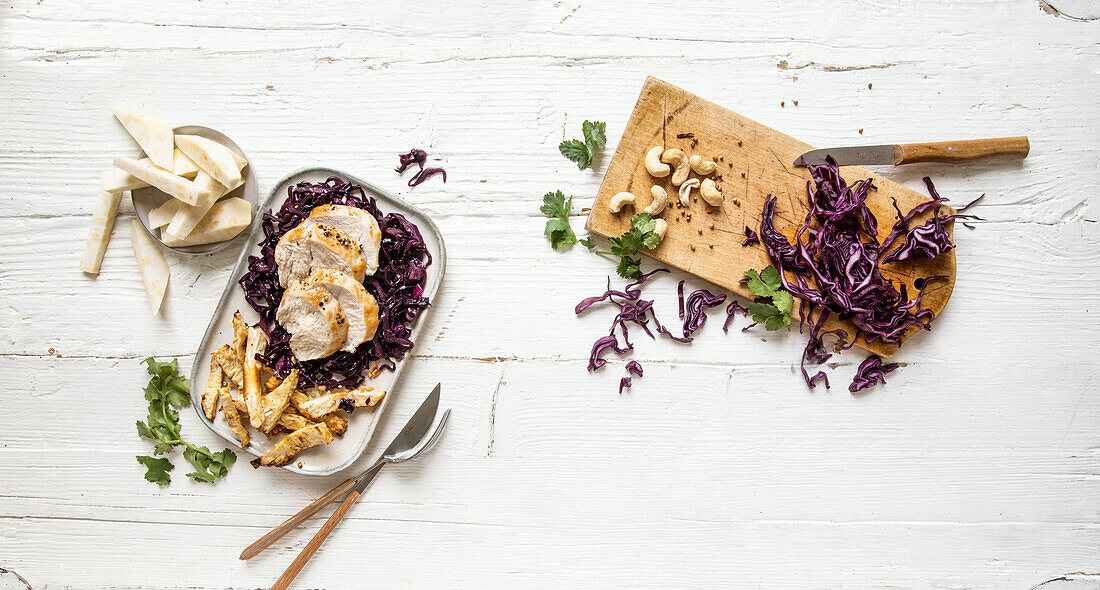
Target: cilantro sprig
x=166, y=391
x=766, y=285
x=641, y=235
x=582, y=152
x=557, y=206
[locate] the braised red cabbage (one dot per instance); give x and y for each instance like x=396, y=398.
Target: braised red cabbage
x=398, y=286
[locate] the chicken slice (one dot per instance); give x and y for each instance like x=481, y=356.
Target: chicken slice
x=224, y=358
x=232, y=417
x=356, y=303
x=314, y=320
x=277, y=400
x=255, y=345
x=292, y=444
x=355, y=222
x=312, y=246
x=360, y=397
x=213, y=389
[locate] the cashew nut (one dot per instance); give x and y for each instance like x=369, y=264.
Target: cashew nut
x=679, y=160
x=710, y=193
x=660, y=228
x=653, y=163
x=619, y=200
x=702, y=167
x=660, y=201
x=685, y=191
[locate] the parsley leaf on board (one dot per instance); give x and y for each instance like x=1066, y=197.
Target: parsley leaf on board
x=166, y=392
x=587, y=243
x=766, y=285
x=557, y=229
x=640, y=236
x=582, y=152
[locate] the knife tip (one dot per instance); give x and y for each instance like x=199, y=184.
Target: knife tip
x=799, y=161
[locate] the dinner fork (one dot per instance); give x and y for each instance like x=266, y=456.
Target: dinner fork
x=403, y=448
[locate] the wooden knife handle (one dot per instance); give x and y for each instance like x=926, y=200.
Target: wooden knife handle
x=276, y=533
x=962, y=151
x=300, y=562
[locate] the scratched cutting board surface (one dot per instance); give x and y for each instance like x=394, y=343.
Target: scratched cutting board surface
x=753, y=162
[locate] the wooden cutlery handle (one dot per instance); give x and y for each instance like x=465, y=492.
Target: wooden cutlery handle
x=276, y=533
x=299, y=562
x=962, y=151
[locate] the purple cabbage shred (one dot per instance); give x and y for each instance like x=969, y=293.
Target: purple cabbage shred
x=929, y=239
x=398, y=286
x=750, y=237
x=632, y=368
x=418, y=157
x=871, y=372
x=695, y=307
x=415, y=156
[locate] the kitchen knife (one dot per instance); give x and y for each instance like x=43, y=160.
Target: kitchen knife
x=907, y=153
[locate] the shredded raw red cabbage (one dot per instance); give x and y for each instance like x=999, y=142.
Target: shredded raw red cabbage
x=928, y=240
x=732, y=309
x=398, y=286
x=870, y=372
x=750, y=237
x=837, y=248
x=695, y=309
x=632, y=310
x=631, y=368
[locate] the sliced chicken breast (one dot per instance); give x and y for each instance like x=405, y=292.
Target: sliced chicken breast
x=357, y=304
x=314, y=246
x=354, y=222
x=314, y=320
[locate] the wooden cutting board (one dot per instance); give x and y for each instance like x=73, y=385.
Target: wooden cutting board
x=753, y=162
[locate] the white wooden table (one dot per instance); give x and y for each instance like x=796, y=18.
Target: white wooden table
x=977, y=466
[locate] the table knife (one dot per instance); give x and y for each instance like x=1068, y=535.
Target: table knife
x=907, y=153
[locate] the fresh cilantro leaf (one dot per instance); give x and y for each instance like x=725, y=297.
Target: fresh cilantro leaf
x=760, y=312
x=776, y=322
x=577, y=151
x=557, y=206
x=166, y=391
x=587, y=243
x=554, y=204
x=629, y=268
x=640, y=236
x=767, y=285
x=770, y=276
x=595, y=136
x=783, y=301
x=757, y=284
x=156, y=470
x=582, y=152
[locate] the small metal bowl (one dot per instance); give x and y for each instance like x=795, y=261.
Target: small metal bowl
x=148, y=198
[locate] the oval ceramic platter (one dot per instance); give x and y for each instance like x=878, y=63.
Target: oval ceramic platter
x=343, y=451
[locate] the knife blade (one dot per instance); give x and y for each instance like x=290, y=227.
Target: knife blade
x=906, y=153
